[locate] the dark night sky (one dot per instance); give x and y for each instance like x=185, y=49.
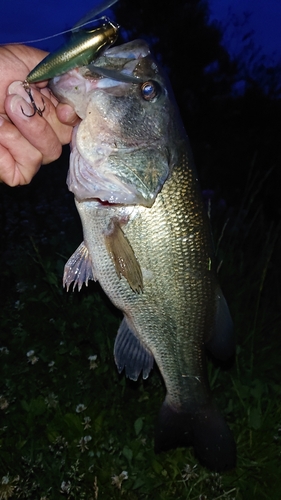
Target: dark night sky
x=29, y=19
x=35, y=20
x=263, y=20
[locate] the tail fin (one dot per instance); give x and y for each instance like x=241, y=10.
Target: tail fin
x=205, y=430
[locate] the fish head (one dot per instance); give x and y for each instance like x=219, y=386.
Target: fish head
x=126, y=144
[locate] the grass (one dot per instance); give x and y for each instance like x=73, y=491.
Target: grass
x=70, y=426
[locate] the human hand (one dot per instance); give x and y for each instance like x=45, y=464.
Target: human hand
x=27, y=142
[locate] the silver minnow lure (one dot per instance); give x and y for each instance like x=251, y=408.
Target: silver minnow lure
x=84, y=47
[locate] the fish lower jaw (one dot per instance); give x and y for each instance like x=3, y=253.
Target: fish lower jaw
x=105, y=199
x=104, y=203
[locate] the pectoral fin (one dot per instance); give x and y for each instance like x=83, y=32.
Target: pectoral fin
x=130, y=353
x=78, y=269
x=123, y=256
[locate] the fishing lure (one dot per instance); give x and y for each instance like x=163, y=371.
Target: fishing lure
x=84, y=47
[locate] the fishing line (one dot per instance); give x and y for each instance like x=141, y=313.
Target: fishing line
x=84, y=21
x=70, y=30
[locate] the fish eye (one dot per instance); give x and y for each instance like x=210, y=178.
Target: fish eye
x=150, y=90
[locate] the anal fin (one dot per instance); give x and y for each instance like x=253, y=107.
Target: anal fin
x=131, y=354
x=78, y=269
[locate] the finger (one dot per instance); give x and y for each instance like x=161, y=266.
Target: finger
x=64, y=127
x=65, y=112
x=64, y=115
x=67, y=115
x=19, y=160
x=55, y=132
x=33, y=127
x=15, y=62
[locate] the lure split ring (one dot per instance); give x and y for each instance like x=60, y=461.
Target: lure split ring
x=37, y=110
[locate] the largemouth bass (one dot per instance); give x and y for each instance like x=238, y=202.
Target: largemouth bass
x=147, y=241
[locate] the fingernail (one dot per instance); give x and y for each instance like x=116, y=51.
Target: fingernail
x=20, y=107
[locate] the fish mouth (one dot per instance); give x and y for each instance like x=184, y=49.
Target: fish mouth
x=113, y=71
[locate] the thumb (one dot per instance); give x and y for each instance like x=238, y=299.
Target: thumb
x=67, y=115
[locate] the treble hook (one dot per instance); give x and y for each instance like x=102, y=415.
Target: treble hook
x=40, y=111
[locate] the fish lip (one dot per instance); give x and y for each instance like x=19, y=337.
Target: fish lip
x=105, y=81
x=136, y=49
x=118, y=76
